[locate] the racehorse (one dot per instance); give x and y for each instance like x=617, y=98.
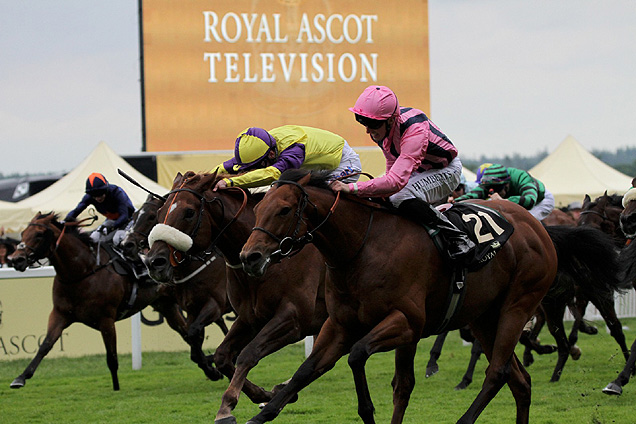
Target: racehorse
x=387, y=288
x=276, y=309
x=628, y=262
x=199, y=285
x=85, y=291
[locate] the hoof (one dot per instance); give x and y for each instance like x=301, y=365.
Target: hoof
x=17, y=383
x=432, y=370
x=462, y=385
x=575, y=352
x=262, y=405
x=588, y=329
x=226, y=420
x=613, y=389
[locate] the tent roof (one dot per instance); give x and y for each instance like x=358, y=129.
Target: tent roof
x=62, y=196
x=571, y=172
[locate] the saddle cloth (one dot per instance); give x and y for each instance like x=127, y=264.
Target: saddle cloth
x=486, y=227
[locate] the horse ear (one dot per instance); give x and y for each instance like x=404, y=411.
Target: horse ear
x=305, y=180
x=605, y=194
x=177, y=180
x=634, y=182
x=587, y=199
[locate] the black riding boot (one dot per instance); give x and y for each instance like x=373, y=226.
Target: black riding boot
x=458, y=243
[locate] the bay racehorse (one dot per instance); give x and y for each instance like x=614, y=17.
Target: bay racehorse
x=199, y=286
x=387, y=288
x=86, y=291
x=273, y=310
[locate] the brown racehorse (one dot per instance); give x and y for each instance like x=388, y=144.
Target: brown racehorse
x=199, y=285
x=85, y=291
x=388, y=285
x=274, y=310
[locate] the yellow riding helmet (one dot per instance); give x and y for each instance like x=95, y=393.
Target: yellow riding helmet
x=252, y=146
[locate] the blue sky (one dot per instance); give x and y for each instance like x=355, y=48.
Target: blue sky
x=506, y=77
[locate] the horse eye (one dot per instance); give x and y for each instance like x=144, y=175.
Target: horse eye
x=189, y=213
x=152, y=217
x=285, y=211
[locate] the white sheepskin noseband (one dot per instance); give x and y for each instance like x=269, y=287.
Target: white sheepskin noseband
x=629, y=196
x=175, y=238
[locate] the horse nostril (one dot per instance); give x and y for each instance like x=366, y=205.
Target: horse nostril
x=158, y=263
x=253, y=257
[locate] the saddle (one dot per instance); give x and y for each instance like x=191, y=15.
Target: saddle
x=486, y=227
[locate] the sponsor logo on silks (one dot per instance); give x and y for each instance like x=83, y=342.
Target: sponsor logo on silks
x=495, y=245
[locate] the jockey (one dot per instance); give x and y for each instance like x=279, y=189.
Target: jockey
x=516, y=185
x=109, y=200
x=261, y=156
x=422, y=166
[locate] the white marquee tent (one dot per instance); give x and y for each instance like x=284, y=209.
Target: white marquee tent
x=62, y=196
x=571, y=172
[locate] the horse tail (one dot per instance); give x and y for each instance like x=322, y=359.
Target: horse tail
x=627, y=259
x=587, y=258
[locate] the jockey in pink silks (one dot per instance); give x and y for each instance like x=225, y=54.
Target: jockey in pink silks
x=422, y=166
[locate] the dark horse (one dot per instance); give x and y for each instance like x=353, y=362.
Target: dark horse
x=628, y=262
x=387, y=287
x=274, y=310
x=199, y=285
x=85, y=291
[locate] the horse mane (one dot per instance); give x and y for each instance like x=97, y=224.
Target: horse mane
x=73, y=230
x=318, y=179
x=612, y=199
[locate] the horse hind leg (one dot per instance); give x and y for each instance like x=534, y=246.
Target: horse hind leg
x=56, y=325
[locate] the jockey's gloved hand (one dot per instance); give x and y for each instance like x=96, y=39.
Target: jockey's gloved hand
x=109, y=223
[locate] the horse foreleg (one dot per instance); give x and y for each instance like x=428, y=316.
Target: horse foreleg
x=196, y=335
x=432, y=368
x=393, y=332
x=109, y=335
x=332, y=344
x=57, y=324
x=282, y=330
x=475, y=352
x=616, y=386
x=554, y=316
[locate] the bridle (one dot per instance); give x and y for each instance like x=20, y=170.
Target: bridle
x=34, y=254
x=177, y=257
x=291, y=243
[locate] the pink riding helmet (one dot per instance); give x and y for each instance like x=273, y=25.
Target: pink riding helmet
x=376, y=102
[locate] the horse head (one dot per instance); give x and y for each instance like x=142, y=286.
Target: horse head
x=603, y=213
x=144, y=219
x=280, y=223
x=37, y=241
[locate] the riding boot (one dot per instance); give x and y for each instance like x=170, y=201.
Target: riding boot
x=457, y=242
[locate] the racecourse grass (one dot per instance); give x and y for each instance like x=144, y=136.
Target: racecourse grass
x=171, y=389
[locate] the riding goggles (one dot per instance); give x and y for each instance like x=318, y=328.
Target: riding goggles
x=373, y=124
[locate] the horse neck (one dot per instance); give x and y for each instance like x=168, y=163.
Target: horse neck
x=71, y=259
x=233, y=236
x=341, y=236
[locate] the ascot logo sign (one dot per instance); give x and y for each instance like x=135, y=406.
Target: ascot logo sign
x=283, y=56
